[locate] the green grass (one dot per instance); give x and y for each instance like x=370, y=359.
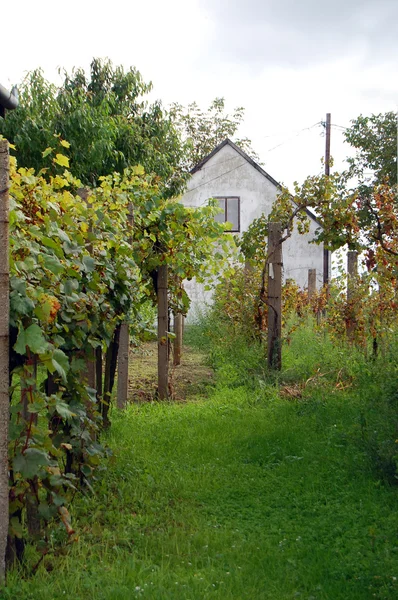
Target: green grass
x=241, y=495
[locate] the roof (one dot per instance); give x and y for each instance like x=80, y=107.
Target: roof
x=228, y=142
x=8, y=99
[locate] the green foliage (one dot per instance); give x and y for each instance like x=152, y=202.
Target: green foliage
x=202, y=130
x=244, y=494
x=334, y=205
x=253, y=242
x=374, y=172
x=102, y=122
x=375, y=141
x=78, y=268
x=104, y=118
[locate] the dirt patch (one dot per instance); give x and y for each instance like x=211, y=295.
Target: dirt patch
x=191, y=378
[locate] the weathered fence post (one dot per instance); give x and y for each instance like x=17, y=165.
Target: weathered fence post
x=124, y=343
x=163, y=346
x=352, y=273
x=275, y=296
x=178, y=319
x=123, y=366
x=311, y=283
x=4, y=351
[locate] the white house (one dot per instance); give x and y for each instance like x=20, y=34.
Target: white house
x=245, y=192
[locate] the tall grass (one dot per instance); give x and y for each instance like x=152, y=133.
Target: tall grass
x=326, y=366
x=270, y=487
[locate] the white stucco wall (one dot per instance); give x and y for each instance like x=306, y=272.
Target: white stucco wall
x=227, y=173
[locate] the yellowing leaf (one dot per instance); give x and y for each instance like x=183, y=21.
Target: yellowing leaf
x=66, y=519
x=62, y=160
x=138, y=170
x=54, y=470
x=47, y=151
x=65, y=144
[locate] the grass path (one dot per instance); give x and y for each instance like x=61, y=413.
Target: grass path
x=230, y=496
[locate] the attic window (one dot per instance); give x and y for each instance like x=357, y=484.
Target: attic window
x=230, y=206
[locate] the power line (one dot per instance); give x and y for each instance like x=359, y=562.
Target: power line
x=294, y=136
x=339, y=126
x=214, y=178
x=220, y=163
x=295, y=131
x=242, y=164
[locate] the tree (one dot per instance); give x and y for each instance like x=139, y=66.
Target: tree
x=375, y=169
x=106, y=120
x=202, y=130
x=375, y=141
x=110, y=126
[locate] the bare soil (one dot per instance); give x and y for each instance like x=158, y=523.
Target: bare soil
x=188, y=380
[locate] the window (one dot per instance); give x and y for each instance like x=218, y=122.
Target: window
x=230, y=207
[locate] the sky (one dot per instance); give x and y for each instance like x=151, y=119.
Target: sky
x=287, y=62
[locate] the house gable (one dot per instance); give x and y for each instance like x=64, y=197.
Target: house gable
x=211, y=159
x=229, y=173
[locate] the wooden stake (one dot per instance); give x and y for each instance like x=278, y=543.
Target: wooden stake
x=311, y=283
x=4, y=351
x=163, y=358
x=352, y=273
x=178, y=318
x=123, y=366
x=275, y=296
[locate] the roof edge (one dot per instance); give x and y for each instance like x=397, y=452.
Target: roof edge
x=228, y=142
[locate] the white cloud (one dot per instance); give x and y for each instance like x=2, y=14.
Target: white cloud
x=286, y=62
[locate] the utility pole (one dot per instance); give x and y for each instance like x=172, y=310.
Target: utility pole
x=326, y=253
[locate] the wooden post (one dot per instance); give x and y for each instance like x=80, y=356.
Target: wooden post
x=123, y=366
x=91, y=382
x=352, y=273
x=124, y=344
x=109, y=375
x=275, y=296
x=178, y=318
x=163, y=358
x=4, y=350
x=311, y=283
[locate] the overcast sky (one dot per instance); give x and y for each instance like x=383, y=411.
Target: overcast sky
x=287, y=62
